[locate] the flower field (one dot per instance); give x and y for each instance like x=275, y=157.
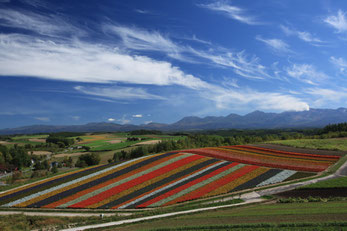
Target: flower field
x=269, y=158
x=164, y=179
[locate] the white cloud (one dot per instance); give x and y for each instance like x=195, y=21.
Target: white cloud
x=248, y=67
x=340, y=63
x=230, y=82
x=194, y=38
x=303, y=35
x=128, y=93
x=84, y=62
x=43, y=119
x=111, y=119
x=76, y=117
x=138, y=39
x=306, y=73
x=338, y=21
x=134, y=38
x=137, y=116
x=231, y=11
x=124, y=120
x=324, y=96
x=45, y=25
x=36, y=3
x=74, y=60
x=142, y=11
x=276, y=44
x=261, y=100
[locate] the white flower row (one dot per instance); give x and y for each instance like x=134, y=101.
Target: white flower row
x=279, y=177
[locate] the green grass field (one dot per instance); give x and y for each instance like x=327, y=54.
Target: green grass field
x=291, y=214
x=327, y=144
x=29, y=137
x=340, y=182
x=103, y=145
x=103, y=142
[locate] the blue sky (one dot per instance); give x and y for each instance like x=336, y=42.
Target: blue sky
x=133, y=61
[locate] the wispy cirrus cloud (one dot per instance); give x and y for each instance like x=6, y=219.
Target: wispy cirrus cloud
x=339, y=63
x=303, y=35
x=138, y=39
x=241, y=64
x=306, y=73
x=51, y=25
x=275, y=44
x=142, y=11
x=118, y=93
x=232, y=11
x=339, y=21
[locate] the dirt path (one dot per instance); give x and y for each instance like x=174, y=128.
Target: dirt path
x=38, y=140
x=70, y=154
x=128, y=221
x=40, y=152
x=147, y=142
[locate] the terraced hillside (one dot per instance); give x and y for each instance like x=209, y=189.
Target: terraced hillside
x=165, y=179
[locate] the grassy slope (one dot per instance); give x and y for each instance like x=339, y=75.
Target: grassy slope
x=327, y=144
x=275, y=213
x=333, y=183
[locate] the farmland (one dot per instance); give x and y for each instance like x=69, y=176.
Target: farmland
x=310, y=216
x=165, y=179
x=339, y=144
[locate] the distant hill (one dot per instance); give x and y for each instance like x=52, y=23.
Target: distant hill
x=258, y=119
x=254, y=120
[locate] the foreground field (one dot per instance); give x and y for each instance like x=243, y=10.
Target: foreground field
x=243, y=218
x=165, y=179
x=327, y=144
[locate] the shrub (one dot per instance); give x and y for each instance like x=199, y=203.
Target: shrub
x=88, y=160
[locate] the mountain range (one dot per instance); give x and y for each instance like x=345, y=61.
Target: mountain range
x=314, y=118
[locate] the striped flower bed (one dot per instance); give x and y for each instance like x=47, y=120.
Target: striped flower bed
x=269, y=158
x=165, y=179
x=150, y=181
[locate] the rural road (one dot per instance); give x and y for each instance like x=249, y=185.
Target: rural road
x=128, y=221
x=57, y=214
